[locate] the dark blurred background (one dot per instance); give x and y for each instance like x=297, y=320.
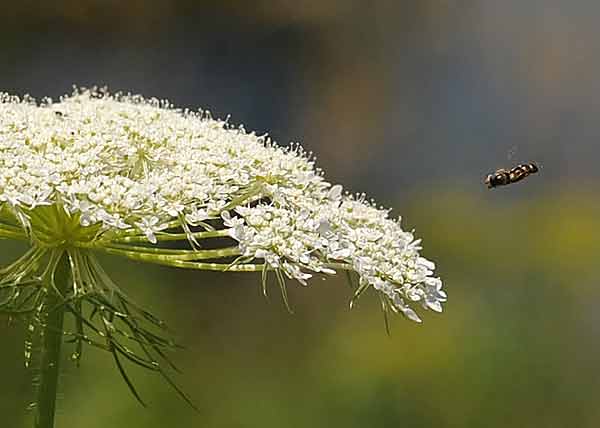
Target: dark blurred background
x=412, y=102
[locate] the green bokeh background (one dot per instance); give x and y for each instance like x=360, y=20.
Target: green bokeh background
x=519, y=339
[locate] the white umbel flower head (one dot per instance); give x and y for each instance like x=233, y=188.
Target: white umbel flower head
x=122, y=174
x=134, y=177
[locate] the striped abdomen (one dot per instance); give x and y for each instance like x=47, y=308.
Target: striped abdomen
x=503, y=177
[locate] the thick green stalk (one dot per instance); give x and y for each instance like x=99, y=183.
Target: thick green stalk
x=51, y=344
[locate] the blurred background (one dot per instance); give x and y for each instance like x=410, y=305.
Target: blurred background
x=412, y=102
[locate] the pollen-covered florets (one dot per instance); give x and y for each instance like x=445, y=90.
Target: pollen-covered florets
x=125, y=166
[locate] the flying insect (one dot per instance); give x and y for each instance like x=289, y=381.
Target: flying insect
x=503, y=177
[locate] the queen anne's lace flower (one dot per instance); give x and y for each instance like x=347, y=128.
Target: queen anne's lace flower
x=121, y=174
x=136, y=178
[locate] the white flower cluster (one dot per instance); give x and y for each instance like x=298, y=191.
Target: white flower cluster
x=127, y=163
x=302, y=233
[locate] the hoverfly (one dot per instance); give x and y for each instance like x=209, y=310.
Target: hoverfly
x=503, y=177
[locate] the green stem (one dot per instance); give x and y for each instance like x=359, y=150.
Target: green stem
x=163, y=236
x=52, y=341
x=175, y=258
x=12, y=232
